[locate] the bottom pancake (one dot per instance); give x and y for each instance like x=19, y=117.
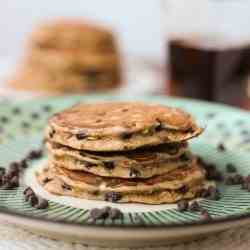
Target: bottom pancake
x=177, y=185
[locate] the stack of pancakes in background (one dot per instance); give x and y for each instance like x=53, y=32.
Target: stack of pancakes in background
x=122, y=152
x=69, y=57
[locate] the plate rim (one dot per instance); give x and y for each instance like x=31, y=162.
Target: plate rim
x=215, y=221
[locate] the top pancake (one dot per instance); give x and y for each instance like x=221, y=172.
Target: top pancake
x=118, y=126
x=73, y=35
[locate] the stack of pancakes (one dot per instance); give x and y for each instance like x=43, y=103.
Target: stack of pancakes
x=69, y=56
x=122, y=152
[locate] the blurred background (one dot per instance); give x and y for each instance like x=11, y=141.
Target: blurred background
x=199, y=49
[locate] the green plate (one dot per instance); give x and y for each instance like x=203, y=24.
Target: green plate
x=21, y=127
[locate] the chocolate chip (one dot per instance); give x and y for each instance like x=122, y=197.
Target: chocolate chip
x=204, y=193
x=109, y=165
x=81, y=136
x=46, y=180
x=126, y=135
x=2, y=171
x=66, y=186
x=115, y=213
x=47, y=108
x=34, y=154
x=124, y=110
x=34, y=115
x=4, y=119
x=213, y=193
x=210, y=115
x=184, y=157
x=25, y=124
x=195, y=207
x=134, y=172
x=212, y=173
x=205, y=215
x=182, y=205
x=99, y=213
x=184, y=189
x=113, y=196
x=159, y=127
x=98, y=121
x=28, y=192
x=89, y=164
x=42, y=203
x=245, y=132
x=51, y=133
x=23, y=164
x=33, y=200
x=231, y=168
x=16, y=111
x=221, y=147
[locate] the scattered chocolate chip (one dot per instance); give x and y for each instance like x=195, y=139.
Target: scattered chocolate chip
x=182, y=205
x=34, y=115
x=16, y=111
x=245, y=132
x=2, y=171
x=98, y=121
x=221, y=147
x=81, y=136
x=25, y=124
x=231, y=168
x=205, y=215
x=204, y=193
x=35, y=154
x=100, y=213
x=240, y=122
x=33, y=200
x=195, y=207
x=4, y=119
x=109, y=165
x=28, y=192
x=126, y=135
x=212, y=173
x=213, y=193
x=47, y=108
x=124, y=110
x=66, y=186
x=42, y=203
x=210, y=115
x=23, y=163
x=134, y=172
x=113, y=196
x=220, y=125
x=115, y=213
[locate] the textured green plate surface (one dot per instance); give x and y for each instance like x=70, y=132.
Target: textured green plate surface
x=22, y=124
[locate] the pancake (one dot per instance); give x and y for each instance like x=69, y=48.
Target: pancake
x=73, y=34
x=120, y=126
x=140, y=163
x=169, y=188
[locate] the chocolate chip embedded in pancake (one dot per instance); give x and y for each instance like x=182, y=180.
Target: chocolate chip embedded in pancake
x=106, y=125
x=160, y=190
x=140, y=163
